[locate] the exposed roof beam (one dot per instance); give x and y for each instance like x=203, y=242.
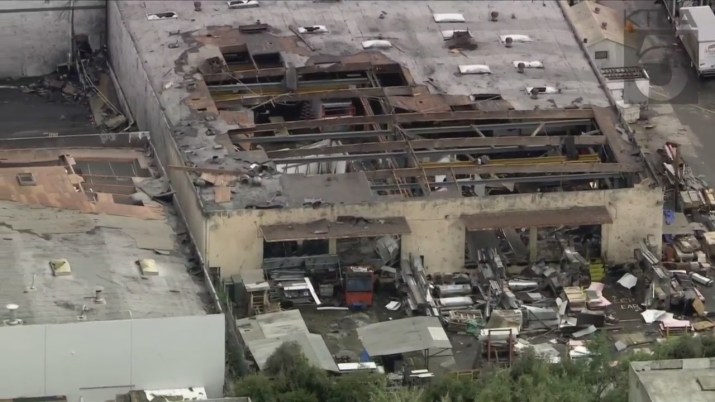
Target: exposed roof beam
x=555, y=168
x=310, y=95
x=560, y=124
x=451, y=143
x=503, y=180
x=538, y=115
x=280, y=72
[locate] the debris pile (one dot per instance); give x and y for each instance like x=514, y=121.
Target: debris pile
x=87, y=81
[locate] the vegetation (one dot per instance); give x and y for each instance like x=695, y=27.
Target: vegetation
x=288, y=377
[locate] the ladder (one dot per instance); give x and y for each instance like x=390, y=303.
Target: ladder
x=257, y=303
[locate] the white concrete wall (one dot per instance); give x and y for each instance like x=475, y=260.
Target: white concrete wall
x=98, y=360
x=437, y=230
x=616, y=56
x=636, y=391
x=630, y=91
x=35, y=34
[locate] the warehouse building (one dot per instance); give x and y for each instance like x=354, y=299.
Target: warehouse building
x=98, y=295
x=300, y=128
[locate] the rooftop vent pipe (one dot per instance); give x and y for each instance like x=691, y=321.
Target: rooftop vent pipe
x=520, y=68
x=197, y=6
x=494, y=16
x=98, y=299
x=604, y=25
x=534, y=93
x=597, y=10
x=12, y=310
x=508, y=42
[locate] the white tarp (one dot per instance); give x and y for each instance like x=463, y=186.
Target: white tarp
x=448, y=17
x=474, y=69
x=628, y=281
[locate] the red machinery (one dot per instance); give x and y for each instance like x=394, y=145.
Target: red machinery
x=359, y=283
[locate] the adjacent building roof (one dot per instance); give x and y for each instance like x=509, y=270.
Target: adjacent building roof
x=76, y=220
x=265, y=333
x=596, y=23
x=676, y=380
x=405, y=335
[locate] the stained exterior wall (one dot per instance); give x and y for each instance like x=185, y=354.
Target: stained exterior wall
x=99, y=359
x=36, y=33
x=438, y=234
x=144, y=102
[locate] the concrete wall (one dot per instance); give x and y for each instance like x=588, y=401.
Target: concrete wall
x=618, y=55
x=636, y=391
x=235, y=242
x=98, y=360
x=144, y=102
x=35, y=34
x=631, y=91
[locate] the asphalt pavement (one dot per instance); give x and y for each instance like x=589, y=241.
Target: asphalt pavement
x=676, y=91
x=30, y=115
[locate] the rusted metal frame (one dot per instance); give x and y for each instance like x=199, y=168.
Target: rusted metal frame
x=443, y=143
x=280, y=72
x=369, y=73
x=206, y=170
x=424, y=117
x=250, y=100
x=70, y=167
x=533, y=169
x=415, y=161
x=515, y=179
x=454, y=179
x=104, y=176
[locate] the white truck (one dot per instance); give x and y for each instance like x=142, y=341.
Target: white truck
x=696, y=30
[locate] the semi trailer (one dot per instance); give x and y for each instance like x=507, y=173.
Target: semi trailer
x=696, y=30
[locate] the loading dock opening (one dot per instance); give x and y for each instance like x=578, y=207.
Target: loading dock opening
x=508, y=230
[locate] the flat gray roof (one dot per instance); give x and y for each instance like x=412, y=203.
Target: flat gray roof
x=690, y=380
x=405, y=335
x=102, y=250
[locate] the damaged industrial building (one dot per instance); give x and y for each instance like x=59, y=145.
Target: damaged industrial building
x=407, y=191
x=313, y=159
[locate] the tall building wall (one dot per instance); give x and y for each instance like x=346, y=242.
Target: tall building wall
x=36, y=34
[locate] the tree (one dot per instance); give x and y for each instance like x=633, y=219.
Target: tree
x=457, y=389
x=257, y=386
x=357, y=387
x=289, y=377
